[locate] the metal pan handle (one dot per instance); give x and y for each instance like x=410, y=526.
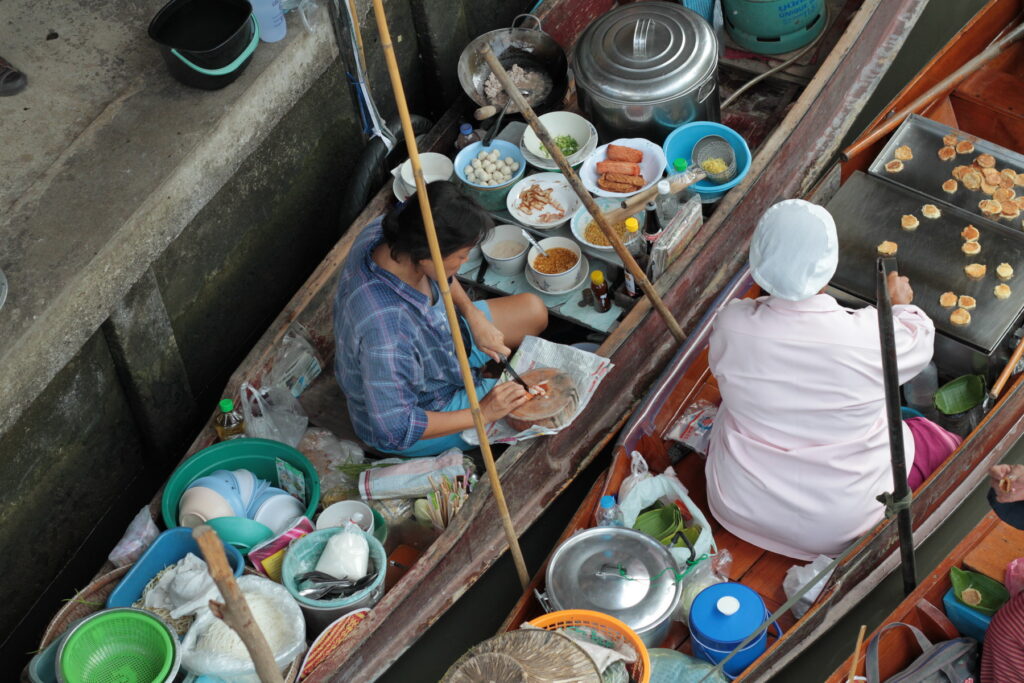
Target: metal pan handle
x=528, y=16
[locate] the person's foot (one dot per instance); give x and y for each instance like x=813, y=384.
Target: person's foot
x=12, y=81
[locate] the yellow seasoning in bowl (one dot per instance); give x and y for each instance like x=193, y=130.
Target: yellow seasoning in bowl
x=714, y=165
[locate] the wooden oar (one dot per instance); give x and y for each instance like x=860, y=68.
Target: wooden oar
x=939, y=89
x=856, y=655
x=577, y=185
x=234, y=611
x=442, y=282
x=997, y=388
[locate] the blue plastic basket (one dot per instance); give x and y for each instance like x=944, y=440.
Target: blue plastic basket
x=168, y=548
x=705, y=8
x=679, y=145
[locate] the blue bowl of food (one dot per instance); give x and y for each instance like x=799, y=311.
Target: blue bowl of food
x=486, y=174
x=680, y=143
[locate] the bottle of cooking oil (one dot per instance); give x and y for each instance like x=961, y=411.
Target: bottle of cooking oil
x=229, y=422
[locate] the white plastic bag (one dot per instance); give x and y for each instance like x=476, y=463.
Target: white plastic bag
x=321, y=445
x=296, y=363
x=798, y=575
x=640, y=471
x=273, y=413
x=137, y=537
x=693, y=428
x=668, y=488
x=707, y=571
x=346, y=555
x=289, y=637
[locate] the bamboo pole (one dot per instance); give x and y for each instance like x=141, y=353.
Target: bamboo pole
x=234, y=611
x=442, y=282
x=856, y=655
x=939, y=89
x=577, y=185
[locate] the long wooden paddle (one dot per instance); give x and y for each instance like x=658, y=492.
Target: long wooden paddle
x=442, y=282
x=577, y=185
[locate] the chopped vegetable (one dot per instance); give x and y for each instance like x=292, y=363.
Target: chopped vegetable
x=567, y=144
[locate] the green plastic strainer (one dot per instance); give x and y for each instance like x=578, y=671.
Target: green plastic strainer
x=122, y=645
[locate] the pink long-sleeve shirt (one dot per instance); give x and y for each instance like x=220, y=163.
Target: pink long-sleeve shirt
x=800, y=445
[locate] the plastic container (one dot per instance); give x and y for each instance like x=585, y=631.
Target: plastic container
x=168, y=548
x=241, y=533
x=206, y=44
x=967, y=620
x=679, y=145
x=119, y=645
x=270, y=17
x=608, y=513
x=302, y=557
x=604, y=627
x=259, y=456
x=721, y=617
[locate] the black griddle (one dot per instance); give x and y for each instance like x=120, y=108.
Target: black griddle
x=867, y=211
x=926, y=172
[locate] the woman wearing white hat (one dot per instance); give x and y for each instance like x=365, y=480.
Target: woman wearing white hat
x=800, y=446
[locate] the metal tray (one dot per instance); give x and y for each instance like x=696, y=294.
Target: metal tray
x=926, y=172
x=867, y=210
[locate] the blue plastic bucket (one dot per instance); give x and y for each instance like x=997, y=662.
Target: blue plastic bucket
x=721, y=617
x=679, y=145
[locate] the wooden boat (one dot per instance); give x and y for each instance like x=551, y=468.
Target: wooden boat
x=533, y=473
x=987, y=549
x=687, y=379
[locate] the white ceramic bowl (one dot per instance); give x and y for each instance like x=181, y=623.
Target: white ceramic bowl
x=512, y=265
x=560, y=123
x=557, y=281
x=341, y=512
x=200, y=504
x=277, y=512
x=562, y=193
x=435, y=167
x=651, y=168
x=581, y=218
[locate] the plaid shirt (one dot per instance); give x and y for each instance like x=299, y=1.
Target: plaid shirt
x=394, y=358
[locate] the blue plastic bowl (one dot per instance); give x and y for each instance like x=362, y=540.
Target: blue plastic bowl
x=680, y=142
x=168, y=548
x=490, y=197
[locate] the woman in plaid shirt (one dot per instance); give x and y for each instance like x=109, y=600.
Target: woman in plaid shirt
x=394, y=359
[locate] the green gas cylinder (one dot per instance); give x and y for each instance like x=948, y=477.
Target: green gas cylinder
x=771, y=27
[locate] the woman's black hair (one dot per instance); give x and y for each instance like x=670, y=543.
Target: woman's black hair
x=460, y=223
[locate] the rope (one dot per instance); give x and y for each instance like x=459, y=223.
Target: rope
x=892, y=506
x=621, y=572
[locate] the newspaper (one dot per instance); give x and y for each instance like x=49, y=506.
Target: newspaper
x=587, y=369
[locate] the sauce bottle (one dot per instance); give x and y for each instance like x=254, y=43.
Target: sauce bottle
x=229, y=423
x=467, y=136
x=602, y=302
x=637, y=246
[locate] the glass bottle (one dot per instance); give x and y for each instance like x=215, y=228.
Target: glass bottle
x=602, y=301
x=229, y=422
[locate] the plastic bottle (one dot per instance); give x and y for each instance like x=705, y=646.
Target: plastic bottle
x=920, y=391
x=666, y=203
x=229, y=422
x=638, y=248
x=608, y=513
x=602, y=302
x=270, y=18
x=467, y=136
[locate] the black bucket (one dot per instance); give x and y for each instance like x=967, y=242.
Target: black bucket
x=206, y=43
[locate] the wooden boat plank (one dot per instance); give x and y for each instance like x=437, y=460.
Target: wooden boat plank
x=1001, y=546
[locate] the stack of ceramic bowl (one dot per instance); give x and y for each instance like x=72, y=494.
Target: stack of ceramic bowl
x=559, y=123
x=237, y=494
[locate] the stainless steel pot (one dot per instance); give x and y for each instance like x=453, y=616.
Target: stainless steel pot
x=586, y=573
x=643, y=70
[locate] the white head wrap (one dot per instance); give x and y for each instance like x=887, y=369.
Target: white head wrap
x=795, y=251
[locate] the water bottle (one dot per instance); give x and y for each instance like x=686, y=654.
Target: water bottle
x=637, y=246
x=270, y=18
x=467, y=136
x=666, y=203
x=608, y=513
x=920, y=391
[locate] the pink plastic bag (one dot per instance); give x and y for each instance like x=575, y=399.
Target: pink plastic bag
x=1015, y=576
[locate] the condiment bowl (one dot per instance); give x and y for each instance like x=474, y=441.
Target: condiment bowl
x=562, y=123
x=555, y=281
x=562, y=193
x=510, y=265
x=582, y=218
x=435, y=167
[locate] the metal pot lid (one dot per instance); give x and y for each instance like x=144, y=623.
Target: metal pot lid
x=645, y=52
x=584, y=574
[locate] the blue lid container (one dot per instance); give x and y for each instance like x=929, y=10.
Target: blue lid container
x=721, y=617
x=168, y=548
x=969, y=621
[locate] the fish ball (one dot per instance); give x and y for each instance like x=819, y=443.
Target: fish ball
x=495, y=155
x=482, y=156
x=476, y=163
x=514, y=166
x=508, y=161
x=471, y=175
x=483, y=175
x=488, y=166
x=468, y=170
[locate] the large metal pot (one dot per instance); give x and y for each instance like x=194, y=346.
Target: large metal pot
x=529, y=48
x=585, y=573
x=643, y=70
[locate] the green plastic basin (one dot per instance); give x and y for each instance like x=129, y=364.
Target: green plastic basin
x=259, y=456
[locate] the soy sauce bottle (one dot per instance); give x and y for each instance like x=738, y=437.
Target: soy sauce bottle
x=602, y=301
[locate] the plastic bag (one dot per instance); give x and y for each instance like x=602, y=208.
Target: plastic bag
x=707, y=571
x=321, y=445
x=1015, y=577
x=668, y=488
x=693, y=428
x=296, y=363
x=346, y=555
x=141, y=532
x=674, y=238
x=798, y=575
x=640, y=472
x=273, y=413
x=288, y=634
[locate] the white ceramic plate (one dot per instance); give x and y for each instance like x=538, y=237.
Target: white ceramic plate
x=563, y=194
x=651, y=168
x=584, y=276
